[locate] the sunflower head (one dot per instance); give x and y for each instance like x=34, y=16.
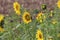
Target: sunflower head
x=58, y=3
x=1, y=17
x=39, y=35
x=39, y=15
x=16, y=7
x=26, y=17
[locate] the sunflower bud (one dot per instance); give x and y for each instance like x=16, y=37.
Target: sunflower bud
x=43, y=6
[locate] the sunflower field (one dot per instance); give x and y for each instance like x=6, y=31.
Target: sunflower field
x=23, y=24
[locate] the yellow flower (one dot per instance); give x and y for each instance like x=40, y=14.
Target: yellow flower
x=58, y=3
x=16, y=7
x=39, y=35
x=26, y=17
x=1, y=29
x=1, y=17
x=39, y=15
x=54, y=21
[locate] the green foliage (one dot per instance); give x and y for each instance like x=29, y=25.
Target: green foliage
x=14, y=30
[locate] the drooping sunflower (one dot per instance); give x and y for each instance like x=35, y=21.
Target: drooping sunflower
x=39, y=17
x=39, y=35
x=58, y=3
x=16, y=7
x=26, y=17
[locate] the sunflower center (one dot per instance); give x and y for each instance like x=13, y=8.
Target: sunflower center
x=27, y=17
x=17, y=7
x=40, y=36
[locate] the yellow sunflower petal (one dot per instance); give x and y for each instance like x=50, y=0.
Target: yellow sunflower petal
x=1, y=17
x=58, y=3
x=18, y=12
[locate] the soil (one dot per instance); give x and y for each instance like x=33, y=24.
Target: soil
x=6, y=6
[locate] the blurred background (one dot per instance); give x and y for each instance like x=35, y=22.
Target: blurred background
x=6, y=6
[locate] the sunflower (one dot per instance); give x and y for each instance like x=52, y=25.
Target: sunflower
x=1, y=29
x=58, y=3
x=26, y=17
x=40, y=17
x=16, y=7
x=39, y=35
x=1, y=17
